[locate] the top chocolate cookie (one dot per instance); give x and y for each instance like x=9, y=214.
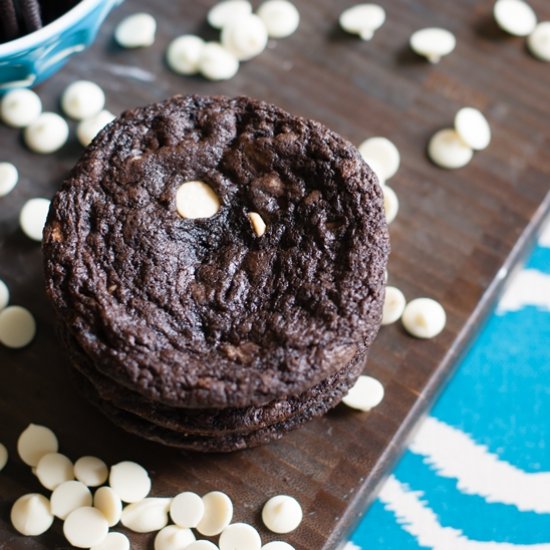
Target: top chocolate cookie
x=208, y=311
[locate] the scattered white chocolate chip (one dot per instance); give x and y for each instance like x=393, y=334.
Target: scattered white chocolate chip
x=130, y=481
x=31, y=515
x=85, y=527
x=383, y=154
x=20, y=107
x=280, y=17
x=218, y=512
x=424, y=318
x=32, y=217
x=224, y=12
x=82, y=99
x=202, y=545
x=109, y=503
x=113, y=541
x=196, y=199
x=241, y=536
x=245, y=37
x=282, y=514
x=8, y=177
x=4, y=295
x=363, y=19
x=433, y=43
x=91, y=471
x=184, y=53
x=147, y=515
x=473, y=128
x=394, y=304
x=216, y=63
x=17, y=327
x=174, y=538
x=257, y=223
x=53, y=469
x=448, y=150
x=69, y=496
x=136, y=31
x=187, y=509
x=365, y=394
x=3, y=456
x=391, y=203
x=277, y=545
x=47, y=133
x=34, y=442
x=538, y=41
x=515, y=17
x=88, y=128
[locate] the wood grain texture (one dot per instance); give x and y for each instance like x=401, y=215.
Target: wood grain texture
x=454, y=233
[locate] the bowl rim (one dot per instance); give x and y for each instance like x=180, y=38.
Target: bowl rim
x=58, y=25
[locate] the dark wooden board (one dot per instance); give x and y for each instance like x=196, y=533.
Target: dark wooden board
x=454, y=234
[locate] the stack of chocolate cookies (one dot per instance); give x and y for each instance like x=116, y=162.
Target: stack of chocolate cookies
x=217, y=269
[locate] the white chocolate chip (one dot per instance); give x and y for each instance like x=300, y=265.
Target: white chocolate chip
x=53, y=469
x=130, y=481
x=245, y=37
x=109, y=503
x=17, y=327
x=277, y=545
x=363, y=19
x=3, y=456
x=473, y=128
x=187, y=509
x=147, y=515
x=515, y=17
x=218, y=512
x=4, y=295
x=282, y=514
x=34, y=442
x=365, y=394
x=424, y=318
x=257, y=223
x=433, y=43
x=82, y=99
x=20, y=107
x=91, y=471
x=196, y=199
x=113, y=541
x=538, y=41
x=174, y=538
x=88, y=129
x=8, y=177
x=224, y=12
x=280, y=17
x=241, y=536
x=448, y=150
x=383, y=154
x=184, y=53
x=30, y=515
x=394, y=305
x=32, y=218
x=69, y=496
x=47, y=133
x=216, y=63
x=136, y=31
x=202, y=545
x=391, y=203
x=85, y=527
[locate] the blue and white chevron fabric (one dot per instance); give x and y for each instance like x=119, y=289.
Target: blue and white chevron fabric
x=476, y=475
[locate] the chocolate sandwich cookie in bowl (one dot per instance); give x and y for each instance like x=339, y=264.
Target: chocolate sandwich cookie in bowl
x=41, y=35
x=210, y=255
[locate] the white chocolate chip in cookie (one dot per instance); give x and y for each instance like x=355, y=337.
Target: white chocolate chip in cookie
x=136, y=31
x=363, y=19
x=196, y=199
x=433, y=43
x=282, y=514
x=365, y=394
x=394, y=305
x=31, y=515
x=257, y=223
x=424, y=318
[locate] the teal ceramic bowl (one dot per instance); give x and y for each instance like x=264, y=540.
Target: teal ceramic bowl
x=28, y=60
